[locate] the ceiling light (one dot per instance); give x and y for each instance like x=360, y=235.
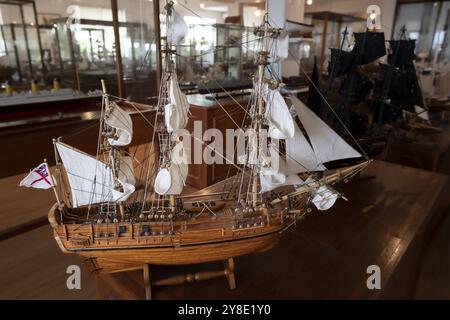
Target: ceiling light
x=202, y=5
x=309, y=2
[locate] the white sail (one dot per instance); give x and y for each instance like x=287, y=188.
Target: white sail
x=281, y=124
x=327, y=144
x=178, y=28
x=121, y=121
x=300, y=157
x=272, y=182
x=126, y=170
x=324, y=198
x=91, y=181
x=271, y=179
x=171, y=181
x=163, y=181
x=422, y=113
x=176, y=112
x=279, y=47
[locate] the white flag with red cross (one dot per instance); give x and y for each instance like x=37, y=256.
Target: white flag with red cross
x=38, y=178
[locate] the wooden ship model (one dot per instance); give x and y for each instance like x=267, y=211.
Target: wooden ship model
x=119, y=225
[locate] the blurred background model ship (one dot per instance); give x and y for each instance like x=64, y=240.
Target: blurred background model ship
x=376, y=100
x=121, y=214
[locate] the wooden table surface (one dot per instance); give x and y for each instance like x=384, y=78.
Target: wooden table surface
x=388, y=222
x=22, y=206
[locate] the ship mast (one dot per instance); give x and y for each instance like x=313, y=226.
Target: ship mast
x=263, y=56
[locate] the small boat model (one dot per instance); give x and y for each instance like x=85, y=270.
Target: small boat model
x=121, y=221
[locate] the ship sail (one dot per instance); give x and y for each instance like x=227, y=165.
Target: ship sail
x=279, y=47
x=300, y=157
x=176, y=112
x=272, y=179
x=171, y=180
x=324, y=197
x=91, y=181
x=121, y=121
x=369, y=45
x=126, y=170
x=281, y=125
x=402, y=52
x=327, y=145
x=341, y=63
x=178, y=29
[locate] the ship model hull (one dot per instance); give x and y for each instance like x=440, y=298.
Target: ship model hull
x=116, y=254
x=205, y=237
x=112, y=251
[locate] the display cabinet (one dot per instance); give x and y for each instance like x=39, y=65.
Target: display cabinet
x=21, y=57
x=221, y=53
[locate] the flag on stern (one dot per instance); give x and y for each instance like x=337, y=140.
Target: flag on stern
x=38, y=178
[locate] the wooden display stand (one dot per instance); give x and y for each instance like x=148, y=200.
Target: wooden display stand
x=113, y=286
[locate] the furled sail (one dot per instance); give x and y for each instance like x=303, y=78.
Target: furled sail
x=279, y=47
x=178, y=28
x=121, y=121
x=171, y=181
x=126, y=170
x=281, y=124
x=277, y=176
x=176, y=112
x=327, y=145
x=91, y=181
x=274, y=173
x=300, y=157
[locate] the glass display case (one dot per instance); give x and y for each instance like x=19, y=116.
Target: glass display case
x=76, y=42
x=20, y=45
x=223, y=53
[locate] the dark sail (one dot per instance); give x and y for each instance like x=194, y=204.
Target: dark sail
x=314, y=97
x=416, y=97
x=402, y=52
x=341, y=62
x=370, y=46
x=404, y=90
x=355, y=87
